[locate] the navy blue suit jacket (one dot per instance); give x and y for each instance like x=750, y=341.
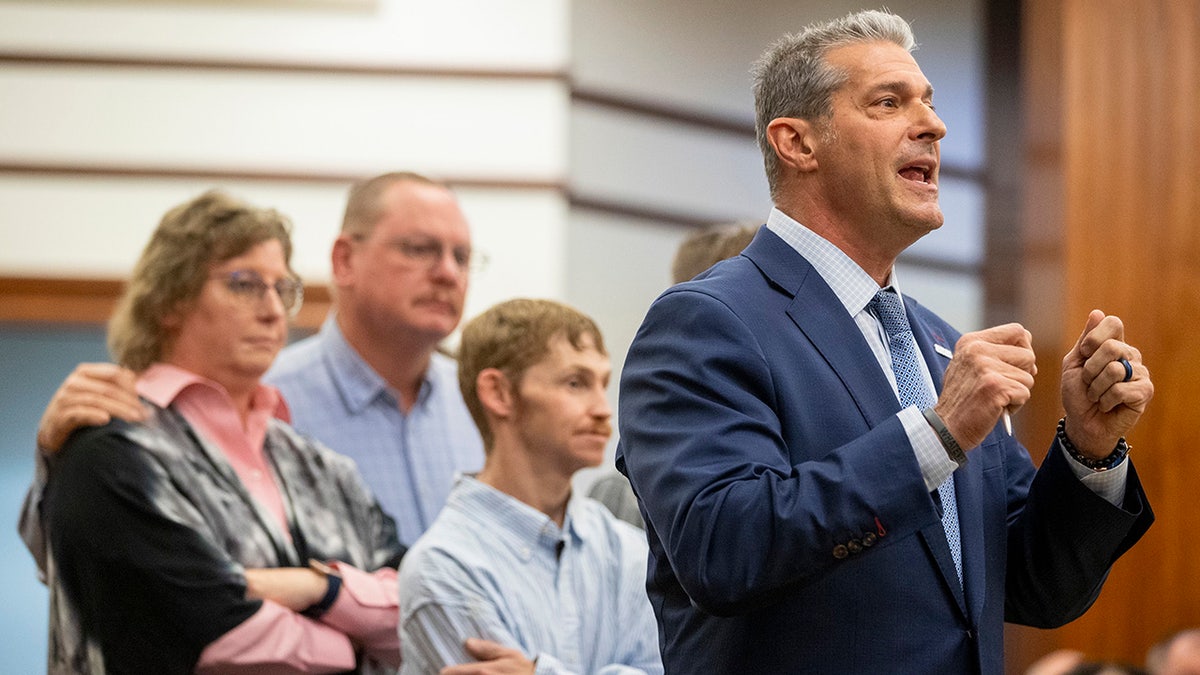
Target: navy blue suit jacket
x=789, y=524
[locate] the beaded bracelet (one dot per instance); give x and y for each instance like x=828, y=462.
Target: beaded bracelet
x=1103, y=464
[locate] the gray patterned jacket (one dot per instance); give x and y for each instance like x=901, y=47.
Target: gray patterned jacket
x=149, y=530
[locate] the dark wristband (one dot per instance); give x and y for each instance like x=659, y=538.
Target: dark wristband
x=953, y=449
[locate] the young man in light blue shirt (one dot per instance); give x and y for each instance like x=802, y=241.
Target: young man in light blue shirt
x=517, y=570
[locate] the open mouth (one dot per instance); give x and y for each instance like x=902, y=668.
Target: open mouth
x=917, y=172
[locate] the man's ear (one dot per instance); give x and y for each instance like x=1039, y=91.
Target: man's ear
x=342, y=261
x=795, y=142
x=495, y=392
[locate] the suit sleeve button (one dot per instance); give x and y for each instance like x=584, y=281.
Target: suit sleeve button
x=854, y=546
x=869, y=539
x=840, y=551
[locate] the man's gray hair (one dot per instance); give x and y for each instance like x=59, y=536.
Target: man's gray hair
x=792, y=78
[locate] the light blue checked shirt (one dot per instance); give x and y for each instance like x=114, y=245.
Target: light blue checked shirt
x=408, y=460
x=574, y=599
x=855, y=288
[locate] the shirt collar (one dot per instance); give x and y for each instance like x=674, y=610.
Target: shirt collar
x=357, y=381
x=162, y=383
x=529, y=527
x=850, y=282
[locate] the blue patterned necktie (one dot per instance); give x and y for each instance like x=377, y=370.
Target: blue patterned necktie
x=913, y=391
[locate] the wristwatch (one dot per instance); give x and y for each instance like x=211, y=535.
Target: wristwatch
x=334, y=580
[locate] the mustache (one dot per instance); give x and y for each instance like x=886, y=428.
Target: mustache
x=603, y=429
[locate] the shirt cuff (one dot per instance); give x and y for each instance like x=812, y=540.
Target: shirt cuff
x=544, y=664
x=368, y=610
x=936, y=465
x=1109, y=485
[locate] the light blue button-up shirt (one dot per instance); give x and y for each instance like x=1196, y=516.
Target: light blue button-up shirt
x=572, y=598
x=408, y=460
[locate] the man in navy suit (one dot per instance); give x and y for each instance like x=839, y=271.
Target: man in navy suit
x=826, y=483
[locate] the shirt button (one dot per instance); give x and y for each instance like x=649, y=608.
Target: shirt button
x=840, y=552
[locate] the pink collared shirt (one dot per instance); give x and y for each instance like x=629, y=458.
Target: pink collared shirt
x=275, y=638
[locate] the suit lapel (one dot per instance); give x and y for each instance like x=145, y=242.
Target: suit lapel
x=824, y=321
x=818, y=313
x=822, y=318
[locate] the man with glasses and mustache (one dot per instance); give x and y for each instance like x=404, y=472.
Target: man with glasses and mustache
x=209, y=536
x=518, y=570
x=371, y=384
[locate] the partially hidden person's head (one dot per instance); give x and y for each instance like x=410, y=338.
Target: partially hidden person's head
x=845, y=122
x=539, y=369
x=1177, y=655
x=403, y=259
x=709, y=245
x=212, y=290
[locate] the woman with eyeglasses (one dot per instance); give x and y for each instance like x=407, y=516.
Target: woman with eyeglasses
x=210, y=536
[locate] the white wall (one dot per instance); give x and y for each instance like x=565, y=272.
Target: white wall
x=471, y=34
x=124, y=109
x=694, y=57
x=697, y=53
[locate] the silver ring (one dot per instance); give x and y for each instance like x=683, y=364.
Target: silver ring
x=1128, y=368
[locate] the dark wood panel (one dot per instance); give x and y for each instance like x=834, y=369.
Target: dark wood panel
x=113, y=170
x=1115, y=189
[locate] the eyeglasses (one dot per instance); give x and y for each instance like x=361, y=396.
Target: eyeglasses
x=247, y=284
x=428, y=253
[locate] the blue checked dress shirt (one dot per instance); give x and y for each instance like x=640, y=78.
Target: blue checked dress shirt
x=491, y=566
x=408, y=460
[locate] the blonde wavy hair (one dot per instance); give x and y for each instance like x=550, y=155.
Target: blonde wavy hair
x=174, y=267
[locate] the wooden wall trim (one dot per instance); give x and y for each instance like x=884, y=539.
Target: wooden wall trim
x=663, y=111
x=91, y=301
x=626, y=209
x=265, y=65
x=726, y=124
x=671, y=217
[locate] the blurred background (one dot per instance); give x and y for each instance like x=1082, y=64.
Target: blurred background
x=585, y=139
